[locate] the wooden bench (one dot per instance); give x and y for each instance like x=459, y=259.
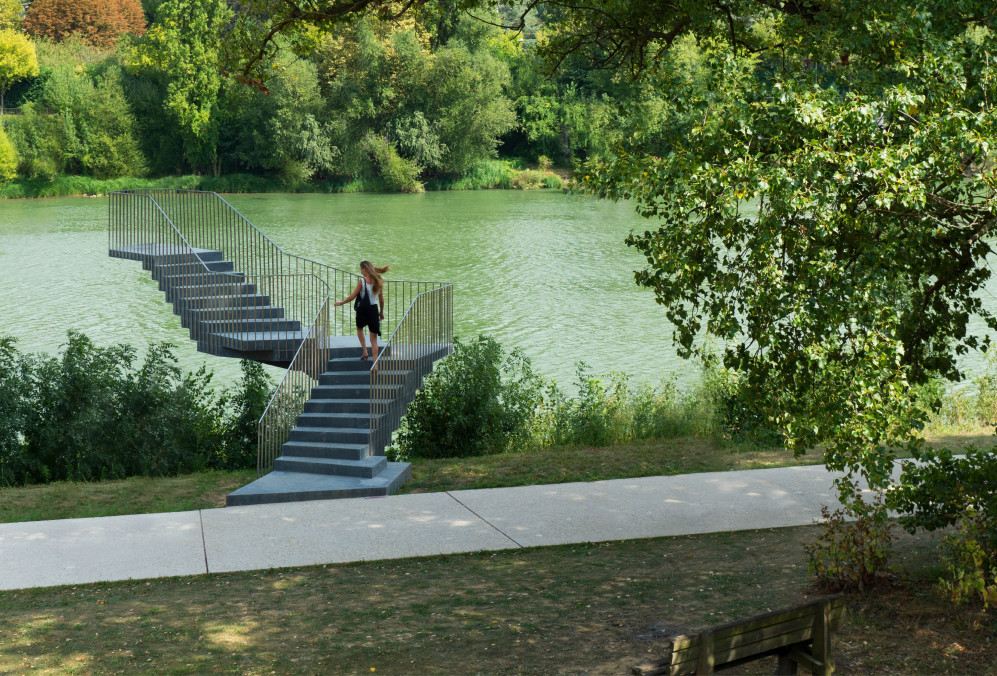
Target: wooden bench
x=800, y=635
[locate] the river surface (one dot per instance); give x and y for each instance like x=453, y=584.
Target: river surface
x=547, y=272
x=543, y=271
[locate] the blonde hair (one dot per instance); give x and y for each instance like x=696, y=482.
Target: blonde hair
x=375, y=274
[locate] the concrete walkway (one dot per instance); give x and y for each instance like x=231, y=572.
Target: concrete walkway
x=72, y=551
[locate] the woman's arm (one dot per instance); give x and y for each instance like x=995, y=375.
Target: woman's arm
x=380, y=304
x=351, y=296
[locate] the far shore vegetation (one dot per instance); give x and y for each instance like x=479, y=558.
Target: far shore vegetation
x=486, y=175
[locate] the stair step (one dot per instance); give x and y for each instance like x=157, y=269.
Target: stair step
x=350, y=363
x=155, y=260
x=345, y=405
x=241, y=325
x=187, y=268
x=367, y=468
x=330, y=435
x=355, y=377
x=298, y=486
x=209, y=290
x=331, y=451
x=201, y=278
x=347, y=391
x=359, y=420
x=207, y=302
x=228, y=313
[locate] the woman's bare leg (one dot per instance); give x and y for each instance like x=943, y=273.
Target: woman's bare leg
x=363, y=343
x=373, y=345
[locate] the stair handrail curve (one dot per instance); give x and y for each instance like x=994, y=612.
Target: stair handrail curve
x=156, y=238
x=289, y=397
x=215, y=228
x=423, y=335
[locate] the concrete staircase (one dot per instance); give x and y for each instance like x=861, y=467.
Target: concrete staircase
x=224, y=314
x=329, y=453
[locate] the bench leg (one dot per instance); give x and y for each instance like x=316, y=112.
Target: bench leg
x=787, y=665
x=705, y=663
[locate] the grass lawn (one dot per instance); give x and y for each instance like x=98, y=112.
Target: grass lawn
x=64, y=500
x=595, y=608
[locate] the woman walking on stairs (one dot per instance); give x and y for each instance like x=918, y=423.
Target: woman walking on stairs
x=369, y=305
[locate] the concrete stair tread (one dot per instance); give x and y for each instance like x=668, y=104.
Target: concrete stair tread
x=371, y=461
x=304, y=445
x=347, y=430
x=367, y=467
x=298, y=486
x=341, y=415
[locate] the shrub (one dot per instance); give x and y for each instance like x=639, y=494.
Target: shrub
x=970, y=569
x=477, y=401
x=14, y=406
x=249, y=401
x=87, y=414
x=853, y=550
x=941, y=490
x=613, y=412
x=8, y=159
x=735, y=415
x=400, y=174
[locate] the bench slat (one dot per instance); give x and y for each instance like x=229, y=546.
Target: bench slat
x=731, y=628
x=759, y=635
x=735, y=652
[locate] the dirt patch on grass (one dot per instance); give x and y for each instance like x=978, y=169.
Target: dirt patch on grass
x=595, y=608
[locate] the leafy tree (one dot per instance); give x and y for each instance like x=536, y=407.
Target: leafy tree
x=442, y=111
x=10, y=14
x=89, y=130
x=180, y=51
x=8, y=159
x=98, y=22
x=826, y=213
x=280, y=132
x=18, y=60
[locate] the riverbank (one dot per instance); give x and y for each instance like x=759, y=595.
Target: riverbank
x=489, y=175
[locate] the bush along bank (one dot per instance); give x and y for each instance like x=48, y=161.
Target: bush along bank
x=481, y=400
x=92, y=413
x=487, y=175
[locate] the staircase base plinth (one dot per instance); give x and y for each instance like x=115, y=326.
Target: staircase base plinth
x=298, y=486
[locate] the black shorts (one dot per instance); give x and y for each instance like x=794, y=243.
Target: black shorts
x=368, y=317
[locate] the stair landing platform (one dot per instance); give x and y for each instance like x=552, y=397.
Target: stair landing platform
x=297, y=486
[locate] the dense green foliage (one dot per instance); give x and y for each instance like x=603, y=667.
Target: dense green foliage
x=8, y=159
x=430, y=101
x=480, y=401
x=18, y=60
x=822, y=207
x=92, y=413
x=10, y=14
x=477, y=401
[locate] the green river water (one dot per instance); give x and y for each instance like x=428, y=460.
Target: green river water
x=543, y=271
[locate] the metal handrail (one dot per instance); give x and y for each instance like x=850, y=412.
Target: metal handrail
x=290, y=395
x=217, y=230
x=423, y=335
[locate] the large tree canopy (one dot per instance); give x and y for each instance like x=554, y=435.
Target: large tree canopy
x=826, y=205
